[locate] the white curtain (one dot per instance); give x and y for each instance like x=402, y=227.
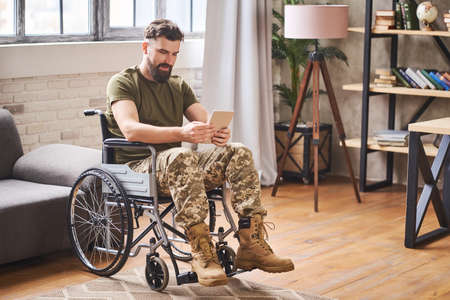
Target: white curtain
x=237, y=75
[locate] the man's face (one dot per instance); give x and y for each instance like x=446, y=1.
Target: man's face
x=161, y=56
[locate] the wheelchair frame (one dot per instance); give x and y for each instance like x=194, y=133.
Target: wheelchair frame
x=101, y=228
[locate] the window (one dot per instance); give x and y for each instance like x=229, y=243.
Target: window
x=125, y=19
x=77, y=20
x=7, y=11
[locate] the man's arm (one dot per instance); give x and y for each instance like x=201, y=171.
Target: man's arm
x=126, y=115
x=196, y=112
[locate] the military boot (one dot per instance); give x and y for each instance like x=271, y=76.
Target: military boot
x=205, y=262
x=254, y=252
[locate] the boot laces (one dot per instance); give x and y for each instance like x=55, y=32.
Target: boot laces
x=206, y=251
x=263, y=236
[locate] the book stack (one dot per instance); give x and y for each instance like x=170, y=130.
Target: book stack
x=447, y=20
x=384, y=78
x=396, y=138
x=422, y=79
x=405, y=15
x=384, y=20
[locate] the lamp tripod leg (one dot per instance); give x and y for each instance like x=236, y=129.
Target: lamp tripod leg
x=316, y=129
x=293, y=124
x=339, y=126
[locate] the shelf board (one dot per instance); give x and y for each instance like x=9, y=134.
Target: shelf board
x=403, y=32
x=430, y=149
x=398, y=90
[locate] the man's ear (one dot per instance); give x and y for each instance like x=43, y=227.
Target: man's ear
x=145, y=47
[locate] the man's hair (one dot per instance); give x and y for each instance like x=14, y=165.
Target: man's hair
x=165, y=28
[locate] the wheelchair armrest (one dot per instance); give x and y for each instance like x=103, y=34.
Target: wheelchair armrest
x=123, y=143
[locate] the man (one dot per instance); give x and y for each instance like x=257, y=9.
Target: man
x=147, y=104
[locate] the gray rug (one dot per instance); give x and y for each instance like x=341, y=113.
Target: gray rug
x=131, y=284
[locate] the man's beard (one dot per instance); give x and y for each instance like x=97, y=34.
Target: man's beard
x=159, y=75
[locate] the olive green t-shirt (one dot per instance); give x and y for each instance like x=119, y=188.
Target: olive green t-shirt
x=158, y=104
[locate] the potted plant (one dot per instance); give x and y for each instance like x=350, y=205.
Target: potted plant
x=296, y=52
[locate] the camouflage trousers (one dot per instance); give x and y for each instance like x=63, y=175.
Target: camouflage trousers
x=186, y=175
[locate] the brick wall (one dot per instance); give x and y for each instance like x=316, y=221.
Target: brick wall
x=49, y=109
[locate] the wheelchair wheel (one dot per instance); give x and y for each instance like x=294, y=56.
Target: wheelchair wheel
x=227, y=258
x=156, y=273
x=100, y=222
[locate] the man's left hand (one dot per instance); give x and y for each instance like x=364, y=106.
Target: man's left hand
x=221, y=137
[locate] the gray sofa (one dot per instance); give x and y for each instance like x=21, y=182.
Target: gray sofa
x=34, y=189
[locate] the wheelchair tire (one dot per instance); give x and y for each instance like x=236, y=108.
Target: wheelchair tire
x=100, y=222
x=227, y=258
x=212, y=215
x=156, y=273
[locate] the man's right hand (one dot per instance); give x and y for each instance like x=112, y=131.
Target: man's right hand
x=197, y=132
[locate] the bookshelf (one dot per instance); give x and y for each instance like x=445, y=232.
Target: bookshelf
x=398, y=90
x=403, y=32
x=365, y=143
x=430, y=149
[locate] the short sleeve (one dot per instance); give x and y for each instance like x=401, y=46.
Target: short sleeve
x=188, y=95
x=120, y=88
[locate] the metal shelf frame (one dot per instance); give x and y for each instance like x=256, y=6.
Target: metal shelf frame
x=366, y=94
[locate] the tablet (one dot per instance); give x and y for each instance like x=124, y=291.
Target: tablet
x=220, y=119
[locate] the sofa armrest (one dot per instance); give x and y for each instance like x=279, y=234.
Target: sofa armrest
x=56, y=164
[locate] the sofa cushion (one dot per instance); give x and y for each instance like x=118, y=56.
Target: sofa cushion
x=11, y=147
x=32, y=219
x=57, y=164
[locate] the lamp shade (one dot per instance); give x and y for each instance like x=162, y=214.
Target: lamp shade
x=315, y=21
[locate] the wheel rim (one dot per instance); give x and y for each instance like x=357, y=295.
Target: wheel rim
x=156, y=273
x=99, y=222
x=227, y=258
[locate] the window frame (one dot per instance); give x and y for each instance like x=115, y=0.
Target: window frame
x=98, y=27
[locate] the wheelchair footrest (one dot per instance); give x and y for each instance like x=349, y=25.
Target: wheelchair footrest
x=187, y=277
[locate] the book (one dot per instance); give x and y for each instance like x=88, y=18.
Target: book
x=442, y=78
x=444, y=86
x=383, y=71
x=437, y=85
x=398, y=16
x=446, y=75
x=447, y=20
x=446, y=15
x=410, y=81
x=392, y=133
x=391, y=137
x=385, y=22
x=414, y=19
x=387, y=77
x=387, y=13
x=383, y=27
x=402, y=9
x=407, y=16
x=400, y=78
x=378, y=80
x=412, y=74
x=384, y=84
x=425, y=80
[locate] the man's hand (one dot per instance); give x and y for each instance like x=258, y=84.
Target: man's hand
x=197, y=132
x=221, y=137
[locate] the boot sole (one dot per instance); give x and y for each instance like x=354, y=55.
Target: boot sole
x=213, y=282
x=249, y=266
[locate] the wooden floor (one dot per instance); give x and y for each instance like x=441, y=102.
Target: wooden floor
x=347, y=250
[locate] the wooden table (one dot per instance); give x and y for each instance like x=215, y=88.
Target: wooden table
x=415, y=210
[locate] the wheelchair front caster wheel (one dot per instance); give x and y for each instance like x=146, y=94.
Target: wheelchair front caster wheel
x=227, y=258
x=156, y=273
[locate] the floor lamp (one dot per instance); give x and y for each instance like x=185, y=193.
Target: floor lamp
x=315, y=22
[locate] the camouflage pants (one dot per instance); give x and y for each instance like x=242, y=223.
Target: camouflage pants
x=186, y=175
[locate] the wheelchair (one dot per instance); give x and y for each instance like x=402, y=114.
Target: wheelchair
x=104, y=209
